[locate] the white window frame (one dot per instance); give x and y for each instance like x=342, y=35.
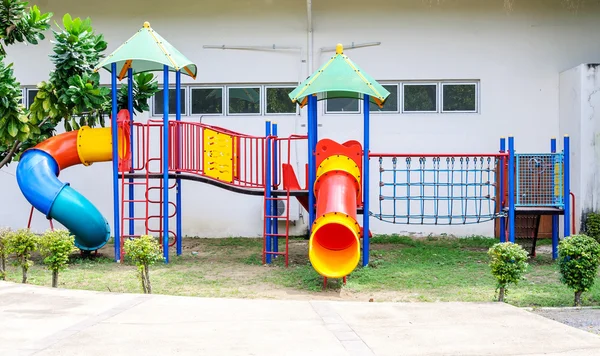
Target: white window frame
x=185, y=106
x=265, y=104
x=398, y=97
x=476, y=84
x=437, y=97
x=242, y=86
x=224, y=101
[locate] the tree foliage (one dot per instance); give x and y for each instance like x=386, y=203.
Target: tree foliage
x=144, y=251
x=579, y=257
x=21, y=24
x=592, y=226
x=508, y=263
x=72, y=94
x=22, y=243
x=56, y=247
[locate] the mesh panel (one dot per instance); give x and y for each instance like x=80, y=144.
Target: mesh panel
x=539, y=179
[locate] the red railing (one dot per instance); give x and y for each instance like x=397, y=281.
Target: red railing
x=282, y=149
x=186, y=151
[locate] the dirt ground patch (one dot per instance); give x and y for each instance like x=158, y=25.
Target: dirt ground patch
x=582, y=318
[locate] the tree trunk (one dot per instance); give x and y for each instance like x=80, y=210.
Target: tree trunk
x=578, y=298
x=501, y=295
x=24, y=275
x=2, y=268
x=54, y=279
x=16, y=146
x=143, y=280
x=148, y=285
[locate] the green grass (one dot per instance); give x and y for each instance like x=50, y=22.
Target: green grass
x=401, y=269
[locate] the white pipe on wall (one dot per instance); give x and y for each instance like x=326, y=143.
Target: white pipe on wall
x=351, y=46
x=255, y=48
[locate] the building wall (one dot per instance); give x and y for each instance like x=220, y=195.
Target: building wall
x=516, y=57
x=579, y=118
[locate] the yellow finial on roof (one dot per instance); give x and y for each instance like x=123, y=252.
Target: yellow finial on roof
x=146, y=24
x=339, y=49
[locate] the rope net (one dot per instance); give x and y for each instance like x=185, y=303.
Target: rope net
x=438, y=190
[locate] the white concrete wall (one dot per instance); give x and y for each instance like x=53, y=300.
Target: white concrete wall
x=516, y=56
x=580, y=119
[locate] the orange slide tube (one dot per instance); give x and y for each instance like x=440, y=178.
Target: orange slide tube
x=334, y=245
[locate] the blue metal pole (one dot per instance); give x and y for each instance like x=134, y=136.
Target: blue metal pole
x=567, y=183
x=268, y=193
x=115, y=162
x=502, y=191
x=365, y=175
x=511, y=189
x=178, y=155
x=312, y=143
x=275, y=182
x=555, y=226
x=165, y=161
x=131, y=186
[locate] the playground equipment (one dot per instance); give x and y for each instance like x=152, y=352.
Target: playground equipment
x=37, y=176
x=156, y=155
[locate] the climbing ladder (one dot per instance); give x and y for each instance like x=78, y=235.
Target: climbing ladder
x=150, y=208
x=271, y=220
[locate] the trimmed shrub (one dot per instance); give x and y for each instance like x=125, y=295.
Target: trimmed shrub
x=144, y=251
x=592, y=226
x=579, y=257
x=22, y=243
x=508, y=263
x=56, y=247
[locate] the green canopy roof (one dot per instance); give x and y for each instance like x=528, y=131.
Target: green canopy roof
x=147, y=51
x=340, y=78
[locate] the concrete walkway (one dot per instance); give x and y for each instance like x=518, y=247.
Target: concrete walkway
x=44, y=321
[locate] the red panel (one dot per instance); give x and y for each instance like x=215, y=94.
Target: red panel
x=290, y=182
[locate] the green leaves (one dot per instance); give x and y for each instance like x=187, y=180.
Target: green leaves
x=144, y=251
x=578, y=260
x=3, y=251
x=22, y=243
x=56, y=247
x=144, y=88
x=592, y=225
x=17, y=24
x=507, y=263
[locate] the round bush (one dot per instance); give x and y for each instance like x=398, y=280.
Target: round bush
x=579, y=257
x=508, y=263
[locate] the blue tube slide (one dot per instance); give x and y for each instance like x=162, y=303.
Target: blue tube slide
x=37, y=176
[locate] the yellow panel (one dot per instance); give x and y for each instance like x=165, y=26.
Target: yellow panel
x=218, y=155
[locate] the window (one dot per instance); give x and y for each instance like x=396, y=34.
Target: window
x=391, y=103
x=420, y=97
x=158, y=102
x=206, y=101
x=342, y=105
x=459, y=97
x=279, y=102
x=31, y=93
x=244, y=100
